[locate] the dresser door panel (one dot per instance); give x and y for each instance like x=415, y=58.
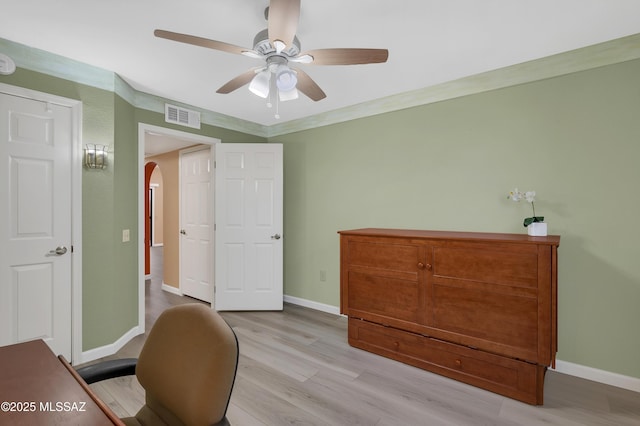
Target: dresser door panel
x=371, y=296
x=509, y=265
x=384, y=255
x=493, y=318
x=489, y=296
x=383, y=281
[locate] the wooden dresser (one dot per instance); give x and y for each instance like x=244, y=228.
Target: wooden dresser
x=480, y=308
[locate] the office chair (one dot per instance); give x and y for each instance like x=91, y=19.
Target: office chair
x=187, y=367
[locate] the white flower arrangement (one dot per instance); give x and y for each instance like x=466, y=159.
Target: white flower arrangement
x=530, y=196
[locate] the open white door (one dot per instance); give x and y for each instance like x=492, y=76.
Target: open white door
x=196, y=260
x=248, y=236
x=35, y=222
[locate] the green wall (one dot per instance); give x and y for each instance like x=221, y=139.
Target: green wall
x=449, y=166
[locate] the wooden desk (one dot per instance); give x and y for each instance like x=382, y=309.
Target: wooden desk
x=38, y=388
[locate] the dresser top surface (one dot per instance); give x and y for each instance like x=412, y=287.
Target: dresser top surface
x=453, y=235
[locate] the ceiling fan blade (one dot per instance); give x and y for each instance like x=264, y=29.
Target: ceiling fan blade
x=309, y=87
x=200, y=41
x=347, y=56
x=283, y=20
x=238, y=81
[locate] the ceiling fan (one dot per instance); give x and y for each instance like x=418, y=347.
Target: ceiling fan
x=278, y=46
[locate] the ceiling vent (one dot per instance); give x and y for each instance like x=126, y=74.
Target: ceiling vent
x=181, y=116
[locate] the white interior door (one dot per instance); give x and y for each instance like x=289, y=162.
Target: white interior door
x=35, y=226
x=248, y=237
x=196, y=206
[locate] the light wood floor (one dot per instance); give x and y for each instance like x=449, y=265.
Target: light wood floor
x=296, y=368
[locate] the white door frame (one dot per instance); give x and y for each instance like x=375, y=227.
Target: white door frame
x=76, y=205
x=143, y=129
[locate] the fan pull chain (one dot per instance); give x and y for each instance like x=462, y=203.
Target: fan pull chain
x=270, y=98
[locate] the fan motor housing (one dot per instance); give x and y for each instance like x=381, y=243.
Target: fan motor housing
x=263, y=46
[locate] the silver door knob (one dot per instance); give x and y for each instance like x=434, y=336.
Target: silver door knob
x=275, y=237
x=59, y=251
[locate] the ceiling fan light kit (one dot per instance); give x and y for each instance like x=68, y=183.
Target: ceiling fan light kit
x=286, y=79
x=278, y=45
x=288, y=95
x=259, y=85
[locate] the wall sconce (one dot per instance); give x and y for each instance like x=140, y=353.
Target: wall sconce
x=7, y=65
x=95, y=156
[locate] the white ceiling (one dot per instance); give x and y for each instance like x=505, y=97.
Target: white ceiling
x=429, y=41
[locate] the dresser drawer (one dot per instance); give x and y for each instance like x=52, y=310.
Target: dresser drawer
x=509, y=377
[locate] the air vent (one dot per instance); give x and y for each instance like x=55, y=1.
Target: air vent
x=182, y=116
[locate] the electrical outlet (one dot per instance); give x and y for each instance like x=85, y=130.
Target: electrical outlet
x=125, y=235
x=323, y=275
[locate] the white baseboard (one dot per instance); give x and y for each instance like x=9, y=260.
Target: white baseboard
x=171, y=289
x=312, y=305
x=111, y=349
x=107, y=350
x=577, y=370
x=601, y=376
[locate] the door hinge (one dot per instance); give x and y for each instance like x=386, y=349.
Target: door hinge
x=72, y=248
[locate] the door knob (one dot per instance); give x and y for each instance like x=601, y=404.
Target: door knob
x=59, y=251
x=275, y=237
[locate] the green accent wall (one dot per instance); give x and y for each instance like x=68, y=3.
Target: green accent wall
x=449, y=165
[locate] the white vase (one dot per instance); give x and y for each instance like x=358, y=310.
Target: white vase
x=537, y=229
